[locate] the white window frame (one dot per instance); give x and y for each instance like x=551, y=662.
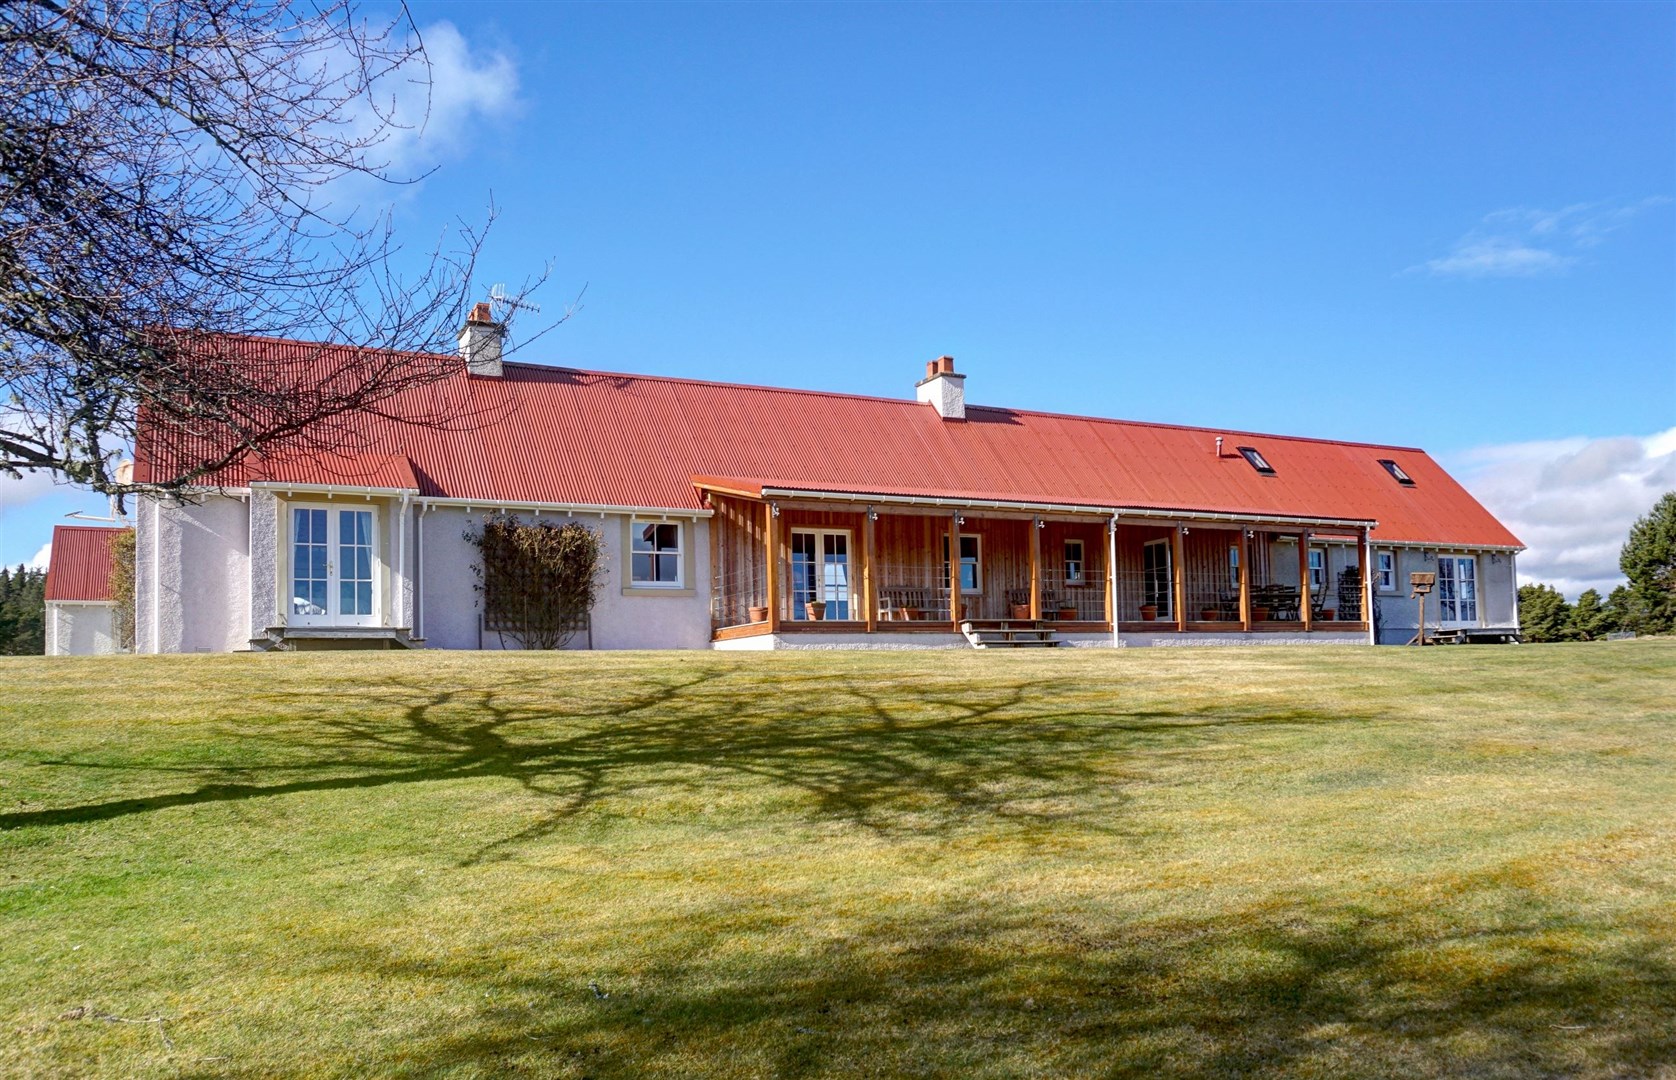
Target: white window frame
x=1326, y=568
x=1385, y=570
x=332, y=617
x=1453, y=577
x=680, y=553
x=1081, y=575
x=1234, y=567
x=797, y=612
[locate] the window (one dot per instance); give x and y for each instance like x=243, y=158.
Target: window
x=1234, y=567
x=655, y=554
x=332, y=564
x=1385, y=565
x=1317, y=571
x=1073, y=563
x=1157, y=582
x=820, y=570
x=1396, y=472
x=1258, y=461
x=971, y=563
x=1457, y=589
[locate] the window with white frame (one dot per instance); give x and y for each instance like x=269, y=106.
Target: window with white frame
x=1234, y=567
x=1317, y=571
x=1385, y=566
x=1457, y=588
x=971, y=562
x=1074, y=563
x=655, y=555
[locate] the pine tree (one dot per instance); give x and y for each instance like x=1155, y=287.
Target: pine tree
x=1648, y=559
x=1590, y=620
x=1543, y=613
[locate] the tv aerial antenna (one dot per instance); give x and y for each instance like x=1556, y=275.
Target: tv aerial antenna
x=507, y=304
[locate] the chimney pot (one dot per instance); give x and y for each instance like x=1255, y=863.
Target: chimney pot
x=481, y=313
x=945, y=364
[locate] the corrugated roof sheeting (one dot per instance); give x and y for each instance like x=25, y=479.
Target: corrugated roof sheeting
x=558, y=435
x=80, y=565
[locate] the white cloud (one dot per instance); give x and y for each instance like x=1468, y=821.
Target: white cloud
x=20, y=491
x=1571, y=500
x=1528, y=242
x=425, y=112
x=39, y=562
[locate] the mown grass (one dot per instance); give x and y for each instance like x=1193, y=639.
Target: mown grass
x=1245, y=862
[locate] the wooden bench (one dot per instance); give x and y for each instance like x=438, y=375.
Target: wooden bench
x=901, y=603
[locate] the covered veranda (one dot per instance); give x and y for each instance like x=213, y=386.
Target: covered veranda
x=858, y=566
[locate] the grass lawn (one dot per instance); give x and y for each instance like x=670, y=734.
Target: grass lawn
x=1159, y=862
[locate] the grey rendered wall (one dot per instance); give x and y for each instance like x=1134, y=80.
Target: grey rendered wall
x=448, y=601
x=192, y=574
x=80, y=629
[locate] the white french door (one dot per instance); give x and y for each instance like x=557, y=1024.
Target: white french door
x=820, y=570
x=1158, y=578
x=333, y=569
x=1457, y=589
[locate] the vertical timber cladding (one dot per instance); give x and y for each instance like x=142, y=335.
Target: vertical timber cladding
x=853, y=522
x=741, y=558
x=1094, y=558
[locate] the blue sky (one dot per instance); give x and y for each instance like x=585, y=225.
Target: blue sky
x=1439, y=225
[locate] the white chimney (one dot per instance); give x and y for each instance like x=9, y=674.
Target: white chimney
x=944, y=388
x=480, y=341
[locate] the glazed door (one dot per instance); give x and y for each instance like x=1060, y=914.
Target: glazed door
x=333, y=568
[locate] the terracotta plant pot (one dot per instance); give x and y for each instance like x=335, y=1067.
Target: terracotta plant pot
x=1067, y=613
x=1328, y=615
x=1021, y=611
x=759, y=614
x=816, y=609
x=1149, y=612
x=1210, y=614
x=1259, y=614
x=910, y=614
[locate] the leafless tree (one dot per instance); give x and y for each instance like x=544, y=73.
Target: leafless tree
x=168, y=171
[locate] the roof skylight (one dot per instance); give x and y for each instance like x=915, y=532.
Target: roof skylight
x=1257, y=460
x=1396, y=472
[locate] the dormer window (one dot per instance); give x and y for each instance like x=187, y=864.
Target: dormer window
x=1257, y=460
x=1396, y=472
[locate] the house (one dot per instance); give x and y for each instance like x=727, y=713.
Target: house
x=727, y=512
x=81, y=611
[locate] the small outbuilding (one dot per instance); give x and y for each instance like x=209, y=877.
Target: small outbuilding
x=81, y=612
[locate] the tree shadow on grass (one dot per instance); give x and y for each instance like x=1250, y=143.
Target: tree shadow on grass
x=1281, y=989
x=878, y=756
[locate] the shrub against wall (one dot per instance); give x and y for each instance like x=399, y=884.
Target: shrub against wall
x=122, y=589
x=538, y=582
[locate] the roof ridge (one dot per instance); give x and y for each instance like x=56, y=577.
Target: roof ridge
x=846, y=395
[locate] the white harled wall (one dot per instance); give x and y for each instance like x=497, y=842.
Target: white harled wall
x=192, y=575
x=80, y=628
x=624, y=618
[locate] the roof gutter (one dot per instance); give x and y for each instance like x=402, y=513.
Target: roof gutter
x=568, y=508
x=1062, y=508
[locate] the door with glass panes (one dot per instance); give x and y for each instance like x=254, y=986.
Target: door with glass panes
x=820, y=570
x=1457, y=589
x=333, y=571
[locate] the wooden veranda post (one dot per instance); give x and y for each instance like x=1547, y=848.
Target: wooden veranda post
x=1111, y=577
x=1306, y=602
x=954, y=572
x=869, y=587
x=1035, y=569
x=1370, y=571
x=1178, y=568
x=772, y=573
x=1245, y=580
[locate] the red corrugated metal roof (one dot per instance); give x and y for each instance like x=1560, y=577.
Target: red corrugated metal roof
x=560, y=435
x=80, y=565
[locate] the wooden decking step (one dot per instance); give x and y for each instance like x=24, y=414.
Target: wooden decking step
x=1009, y=634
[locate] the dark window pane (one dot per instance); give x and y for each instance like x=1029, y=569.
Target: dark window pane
x=642, y=567
x=667, y=569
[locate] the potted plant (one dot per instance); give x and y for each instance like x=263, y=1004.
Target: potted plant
x=759, y=613
x=1067, y=612
x=1328, y=615
x=816, y=609
x=1149, y=612
x=1259, y=614
x=910, y=614
x=1210, y=614
x=1020, y=611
